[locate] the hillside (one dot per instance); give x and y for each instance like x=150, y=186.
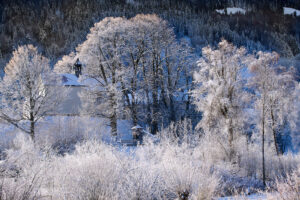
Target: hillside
x=57, y=27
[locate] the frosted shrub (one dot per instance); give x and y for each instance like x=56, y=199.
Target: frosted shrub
x=180, y=132
x=23, y=188
x=244, y=174
x=276, y=166
x=143, y=181
x=22, y=173
x=167, y=169
x=64, y=132
x=183, y=174
x=153, y=171
x=92, y=172
x=187, y=177
x=60, y=132
x=288, y=189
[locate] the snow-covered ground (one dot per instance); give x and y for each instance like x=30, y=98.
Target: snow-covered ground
x=68, y=129
x=250, y=197
x=232, y=10
x=70, y=80
x=291, y=11
x=151, y=166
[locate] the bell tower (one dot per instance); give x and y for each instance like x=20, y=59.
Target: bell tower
x=78, y=68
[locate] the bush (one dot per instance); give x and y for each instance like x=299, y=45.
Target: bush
x=23, y=172
x=164, y=168
x=99, y=171
x=287, y=188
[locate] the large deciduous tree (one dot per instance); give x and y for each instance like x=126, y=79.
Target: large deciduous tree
x=131, y=63
x=274, y=99
x=102, y=55
x=219, y=93
x=28, y=89
x=161, y=67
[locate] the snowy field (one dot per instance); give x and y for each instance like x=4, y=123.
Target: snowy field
x=68, y=128
x=291, y=11
x=250, y=197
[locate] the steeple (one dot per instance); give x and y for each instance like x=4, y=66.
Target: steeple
x=77, y=68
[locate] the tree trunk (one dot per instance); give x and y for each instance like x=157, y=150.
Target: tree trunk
x=32, y=127
x=149, y=121
x=113, y=124
x=131, y=104
x=154, y=121
x=154, y=82
x=31, y=116
x=134, y=89
x=134, y=114
x=274, y=133
x=187, y=105
x=230, y=140
x=113, y=104
x=172, y=109
x=263, y=144
x=113, y=116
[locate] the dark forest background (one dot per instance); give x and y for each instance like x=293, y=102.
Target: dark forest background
x=58, y=26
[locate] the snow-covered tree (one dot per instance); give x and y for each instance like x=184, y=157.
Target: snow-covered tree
x=28, y=89
x=101, y=55
x=295, y=132
x=177, y=77
x=158, y=35
x=274, y=99
x=219, y=93
x=135, y=62
x=157, y=63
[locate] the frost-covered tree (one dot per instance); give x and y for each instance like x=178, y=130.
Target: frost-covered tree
x=219, y=93
x=178, y=65
x=133, y=58
x=295, y=133
x=158, y=67
x=274, y=98
x=28, y=90
x=102, y=55
x=157, y=36
x=132, y=63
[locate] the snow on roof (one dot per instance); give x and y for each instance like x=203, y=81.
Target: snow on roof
x=70, y=80
x=291, y=11
x=85, y=80
x=136, y=127
x=232, y=10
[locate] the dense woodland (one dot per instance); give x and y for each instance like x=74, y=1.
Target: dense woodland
x=57, y=27
x=216, y=96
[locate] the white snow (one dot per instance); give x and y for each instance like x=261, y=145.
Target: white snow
x=291, y=11
x=70, y=80
x=136, y=127
x=87, y=81
x=250, y=197
x=54, y=128
x=232, y=10
x=221, y=11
